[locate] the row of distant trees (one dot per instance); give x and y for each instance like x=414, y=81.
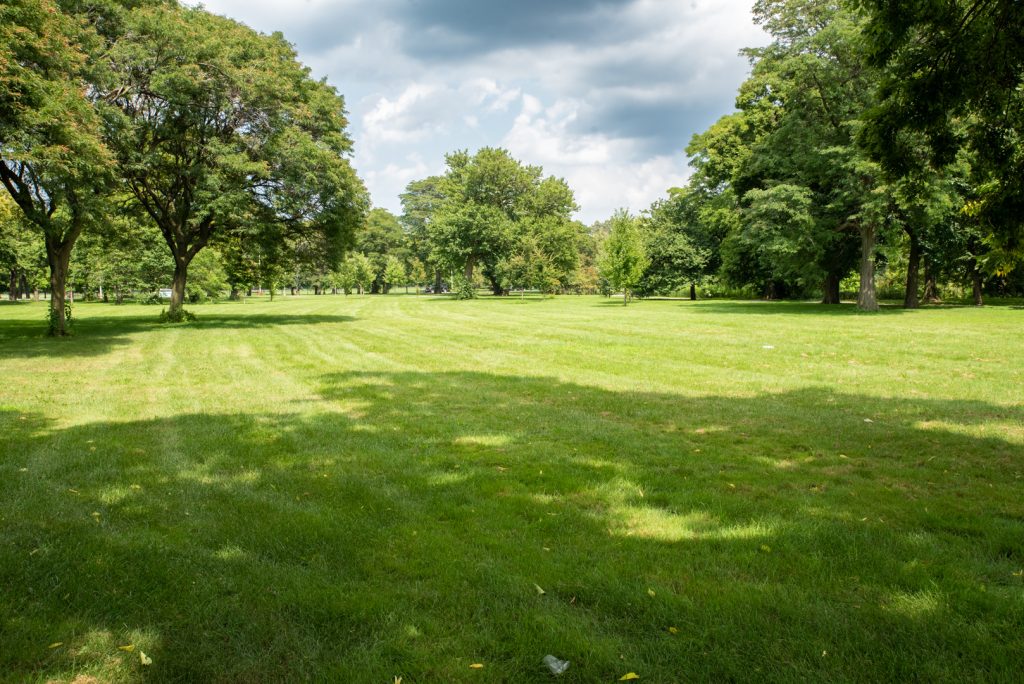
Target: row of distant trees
x=122, y=121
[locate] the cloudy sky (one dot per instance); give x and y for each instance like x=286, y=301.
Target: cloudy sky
x=605, y=93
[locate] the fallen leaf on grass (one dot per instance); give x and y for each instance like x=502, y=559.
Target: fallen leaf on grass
x=56, y=644
x=673, y=630
x=629, y=676
x=540, y=592
x=477, y=666
x=398, y=680
x=650, y=592
x=127, y=647
x=145, y=659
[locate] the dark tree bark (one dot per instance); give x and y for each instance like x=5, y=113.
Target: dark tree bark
x=178, y=285
x=910, y=300
x=468, y=271
x=976, y=287
x=58, y=256
x=867, y=298
x=831, y=289
x=693, y=292
x=437, y=282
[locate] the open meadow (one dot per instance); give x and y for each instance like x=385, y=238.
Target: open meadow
x=362, y=488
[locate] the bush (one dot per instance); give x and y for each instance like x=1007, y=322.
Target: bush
x=179, y=316
x=462, y=288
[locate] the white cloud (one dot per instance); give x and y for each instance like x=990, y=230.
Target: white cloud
x=602, y=170
x=608, y=98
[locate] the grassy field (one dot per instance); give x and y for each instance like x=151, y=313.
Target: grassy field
x=358, y=488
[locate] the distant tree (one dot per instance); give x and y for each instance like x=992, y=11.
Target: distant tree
x=674, y=260
x=22, y=255
x=362, y=271
x=420, y=202
x=394, y=273
x=208, y=281
x=125, y=255
x=622, y=260
x=382, y=237
x=418, y=275
x=488, y=201
x=343, y=276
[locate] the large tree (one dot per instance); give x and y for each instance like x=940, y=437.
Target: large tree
x=53, y=161
x=216, y=124
x=955, y=73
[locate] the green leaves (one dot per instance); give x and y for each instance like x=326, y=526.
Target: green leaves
x=623, y=259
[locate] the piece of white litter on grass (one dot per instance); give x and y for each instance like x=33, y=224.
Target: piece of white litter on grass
x=556, y=665
x=768, y=346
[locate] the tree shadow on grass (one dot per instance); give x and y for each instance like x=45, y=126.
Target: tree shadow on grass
x=97, y=335
x=407, y=523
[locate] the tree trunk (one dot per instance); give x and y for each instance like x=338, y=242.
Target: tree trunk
x=867, y=299
x=437, y=282
x=976, y=287
x=910, y=300
x=831, y=289
x=58, y=255
x=468, y=271
x=178, y=287
x=693, y=292
x=235, y=294
x=12, y=286
x=931, y=287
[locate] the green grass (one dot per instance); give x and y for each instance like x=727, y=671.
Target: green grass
x=353, y=488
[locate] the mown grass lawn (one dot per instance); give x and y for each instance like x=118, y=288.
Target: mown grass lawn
x=358, y=488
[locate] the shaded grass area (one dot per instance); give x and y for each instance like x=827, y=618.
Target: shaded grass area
x=380, y=491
